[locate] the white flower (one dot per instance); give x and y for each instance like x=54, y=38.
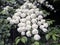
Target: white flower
x=44, y=30
x=51, y=7
x=41, y=1
x=28, y=22
x=47, y=2
x=48, y=5
x=28, y=34
x=30, y=5
x=34, y=7
x=41, y=12
x=21, y=29
x=33, y=16
x=34, y=21
x=27, y=1
x=43, y=21
x=25, y=10
x=21, y=24
x=37, y=9
x=28, y=18
x=16, y=21
x=12, y=21
x=6, y=8
x=39, y=23
x=18, y=10
x=37, y=37
x=23, y=15
x=23, y=20
x=9, y=18
x=22, y=33
x=40, y=17
x=34, y=26
x=32, y=10
x=16, y=17
x=18, y=29
x=28, y=27
x=37, y=13
x=41, y=26
x=17, y=14
x=28, y=13
x=34, y=31
x=23, y=7
x=45, y=24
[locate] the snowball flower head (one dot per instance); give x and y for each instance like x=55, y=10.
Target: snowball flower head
x=45, y=24
x=28, y=18
x=22, y=33
x=41, y=27
x=34, y=31
x=34, y=26
x=40, y=17
x=16, y=17
x=12, y=21
x=23, y=15
x=28, y=22
x=6, y=8
x=21, y=24
x=16, y=21
x=41, y=1
x=44, y=30
x=34, y=21
x=33, y=16
x=28, y=34
x=21, y=29
x=23, y=20
x=9, y=18
x=28, y=27
x=37, y=37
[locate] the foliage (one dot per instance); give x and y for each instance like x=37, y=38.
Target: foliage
x=4, y=30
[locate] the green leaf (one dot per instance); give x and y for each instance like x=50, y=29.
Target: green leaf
x=8, y=34
x=24, y=39
x=54, y=37
x=1, y=42
x=47, y=37
x=32, y=40
x=50, y=22
x=57, y=35
x=36, y=43
x=17, y=41
x=17, y=38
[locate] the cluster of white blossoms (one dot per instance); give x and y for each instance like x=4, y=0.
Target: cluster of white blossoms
x=28, y=18
x=49, y=6
x=41, y=1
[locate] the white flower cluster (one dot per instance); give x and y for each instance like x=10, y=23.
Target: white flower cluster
x=7, y=8
x=49, y=6
x=41, y=1
x=28, y=18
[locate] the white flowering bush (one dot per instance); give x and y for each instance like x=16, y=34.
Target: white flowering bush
x=29, y=21
x=28, y=18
